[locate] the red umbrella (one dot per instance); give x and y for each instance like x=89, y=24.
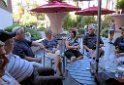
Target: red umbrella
x=91, y=11
x=54, y=7
x=55, y=13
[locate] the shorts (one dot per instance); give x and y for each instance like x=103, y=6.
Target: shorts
x=52, y=55
x=71, y=53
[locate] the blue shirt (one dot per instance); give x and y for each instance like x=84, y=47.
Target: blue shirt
x=22, y=48
x=50, y=44
x=91, y=40
x=119, y=42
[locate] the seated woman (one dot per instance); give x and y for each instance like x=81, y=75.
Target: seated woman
x=73, y=47
x=5, y=78
x=51, y=47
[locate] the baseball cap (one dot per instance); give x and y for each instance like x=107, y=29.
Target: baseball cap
x=6, y=35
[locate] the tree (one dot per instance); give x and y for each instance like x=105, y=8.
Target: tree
x=17, y=15
x=106, y=20
x=28, y=19
x=69, y=22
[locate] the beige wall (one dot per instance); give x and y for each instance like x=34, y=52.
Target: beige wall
x=8, y=8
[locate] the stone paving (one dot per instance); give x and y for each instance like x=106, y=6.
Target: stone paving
x=80, y=71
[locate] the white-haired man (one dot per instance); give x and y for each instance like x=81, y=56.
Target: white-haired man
x=22, y=47
x=90, y=40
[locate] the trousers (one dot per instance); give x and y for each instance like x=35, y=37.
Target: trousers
x=42, y=76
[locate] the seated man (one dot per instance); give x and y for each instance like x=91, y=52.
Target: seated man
x=73, y=47
x=5, y=78
x=90, y=40
x=119, y=46
x=24, y=72
x=22, y=47
x=51, y=47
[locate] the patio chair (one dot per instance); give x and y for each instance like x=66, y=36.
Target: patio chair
x=38, y=51
x=60, y=42
x=67, y=61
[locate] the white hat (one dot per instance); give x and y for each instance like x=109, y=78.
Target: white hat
x=18, y=28
x=91, y=26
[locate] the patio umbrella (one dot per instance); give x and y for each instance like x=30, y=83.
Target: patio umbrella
x=91, y=11
x=55, y=7
x=55, y=11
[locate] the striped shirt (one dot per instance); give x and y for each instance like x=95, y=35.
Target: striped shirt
x=72, y=41
x=7, y=79
x=19, y=68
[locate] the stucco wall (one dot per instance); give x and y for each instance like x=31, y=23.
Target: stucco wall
x=5, y=18
x=5, y=14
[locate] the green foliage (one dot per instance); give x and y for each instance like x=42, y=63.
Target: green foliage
x=81, y=31
x=69, y=22
x=28, y=19
x=84, y=20
x=9, y=29
x=41, y=29
x=34, y=33
x=106, y=21
x=120, y=4
x=104, y=32
x=79, y=22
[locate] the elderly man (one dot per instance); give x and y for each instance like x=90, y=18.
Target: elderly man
x=119, y=44
x=22, y=47
x=90, y=40
x=24, y=72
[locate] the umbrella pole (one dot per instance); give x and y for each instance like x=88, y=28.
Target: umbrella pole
x=56, y=25
x=98, y=35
